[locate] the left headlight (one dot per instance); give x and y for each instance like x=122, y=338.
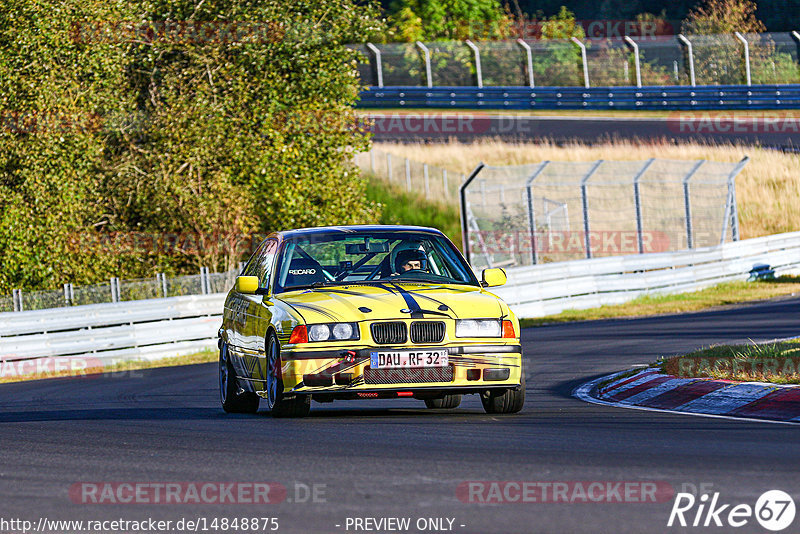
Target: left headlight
x=478, y=328
x=333, y=332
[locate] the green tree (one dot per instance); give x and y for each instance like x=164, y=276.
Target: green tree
x=431, y=20
x=204, y=117
x=719, y=56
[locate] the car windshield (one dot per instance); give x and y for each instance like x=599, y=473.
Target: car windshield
x=320, y=259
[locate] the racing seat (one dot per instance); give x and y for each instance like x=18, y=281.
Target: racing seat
x=304, y=272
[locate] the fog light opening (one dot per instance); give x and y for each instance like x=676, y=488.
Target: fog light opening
x=495, y=375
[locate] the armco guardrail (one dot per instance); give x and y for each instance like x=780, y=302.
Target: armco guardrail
x=151, y=329
x=144, y=329
x=728, y=97
x=552, y=288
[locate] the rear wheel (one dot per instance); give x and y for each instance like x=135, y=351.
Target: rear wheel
x=504, y=400
x=233, y=400
x=445, y=403
x=279, y=404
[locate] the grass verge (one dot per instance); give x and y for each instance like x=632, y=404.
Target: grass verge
x=719, y=295
x=399, y=206
x=111, y=367
x=777, y=363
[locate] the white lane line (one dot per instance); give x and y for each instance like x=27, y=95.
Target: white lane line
x=583, y=391
x=655, y=391
x=726, y=399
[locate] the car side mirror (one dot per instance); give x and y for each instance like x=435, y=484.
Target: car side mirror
x=247, y=284
x=493, y=277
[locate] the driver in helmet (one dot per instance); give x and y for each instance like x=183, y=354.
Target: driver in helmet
x=408, y=260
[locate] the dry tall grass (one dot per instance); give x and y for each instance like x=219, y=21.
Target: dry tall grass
x=767, y=191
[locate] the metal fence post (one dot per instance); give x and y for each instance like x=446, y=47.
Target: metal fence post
x=531, y=213
x=462, y=193
x=477, y=52
x=378, y=64
x=69, y=295
x=205, y=282
x=114, y=283
x=372, y=161
x=690, y=52
x=427, y=183
x=687, y=206
x=585, y=202
x=746, y=56
x=408, y=175
x=529, y=57
x=389, y=166
x=731, y=213
x=161, y=280
x=427, y=55
x=583, y=60
x=16, y=297
x=796, y=37
x=636, y=63
x=637, y=201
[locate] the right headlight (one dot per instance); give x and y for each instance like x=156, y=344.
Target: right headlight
x=333, y=332
x=478, y=328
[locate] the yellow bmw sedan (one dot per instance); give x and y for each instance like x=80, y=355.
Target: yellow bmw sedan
x=366, y=312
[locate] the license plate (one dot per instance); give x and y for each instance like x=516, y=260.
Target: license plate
x=407, y=359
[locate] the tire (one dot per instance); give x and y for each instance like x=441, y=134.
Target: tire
x=504, y=401
x=445, y=403
x=279, y=405
x=233, y=401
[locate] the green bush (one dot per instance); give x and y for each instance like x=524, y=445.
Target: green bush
x=213, y=118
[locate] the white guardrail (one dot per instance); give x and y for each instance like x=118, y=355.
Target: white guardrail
x=100, y=334
x=157, y=328
x=552, y=288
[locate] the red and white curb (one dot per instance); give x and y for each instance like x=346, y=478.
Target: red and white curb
x=649, y=389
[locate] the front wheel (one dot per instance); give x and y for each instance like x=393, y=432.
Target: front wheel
x=233, y=401
x=504, y=401
x=279, y=404
x=445, y=403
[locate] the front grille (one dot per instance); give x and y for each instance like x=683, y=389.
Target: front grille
x=388, y=333
x=427, y=332
x=408, y=376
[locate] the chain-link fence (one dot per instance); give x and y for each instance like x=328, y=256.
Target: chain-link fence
x=435, y=183
x=557, y=211
x=120, y=290
x=719, y=59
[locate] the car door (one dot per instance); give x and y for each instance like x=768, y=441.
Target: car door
x=259, y=313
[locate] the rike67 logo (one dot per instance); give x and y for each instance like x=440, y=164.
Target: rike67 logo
x=774, y=510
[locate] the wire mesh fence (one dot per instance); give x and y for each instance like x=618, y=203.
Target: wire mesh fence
x=558, y=211
x=718, y=59
x=428, y=180
x=120, y=290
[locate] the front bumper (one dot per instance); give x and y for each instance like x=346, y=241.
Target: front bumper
x=346, y=373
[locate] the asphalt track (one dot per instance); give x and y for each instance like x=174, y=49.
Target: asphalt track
x=773, y=129
x=396, y=459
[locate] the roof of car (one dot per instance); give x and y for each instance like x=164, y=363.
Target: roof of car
x=361, y=228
